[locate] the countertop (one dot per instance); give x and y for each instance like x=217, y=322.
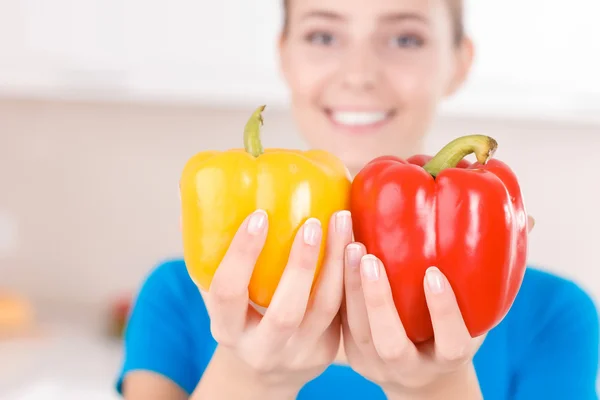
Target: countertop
x=68, y=359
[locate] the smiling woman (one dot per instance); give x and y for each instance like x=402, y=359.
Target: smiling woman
x=366, y=79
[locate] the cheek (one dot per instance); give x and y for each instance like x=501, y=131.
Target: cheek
x=416, y=84
x=307, y=75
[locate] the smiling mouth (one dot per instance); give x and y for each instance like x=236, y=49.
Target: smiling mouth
x=359, y=119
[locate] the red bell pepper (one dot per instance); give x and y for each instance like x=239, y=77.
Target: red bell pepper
x=469, y=220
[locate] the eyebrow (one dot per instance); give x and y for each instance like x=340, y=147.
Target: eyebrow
x=395, y=17
x=322, y=14
x=403, y=16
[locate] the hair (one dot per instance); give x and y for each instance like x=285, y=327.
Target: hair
x=456, y=11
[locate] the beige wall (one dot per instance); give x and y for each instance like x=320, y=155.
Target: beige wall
x=88, y=192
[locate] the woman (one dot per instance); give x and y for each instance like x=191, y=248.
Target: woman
x=365, y=79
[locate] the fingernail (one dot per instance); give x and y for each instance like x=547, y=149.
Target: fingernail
x=343, y=221
x=369, y=267
x=353, y=255
x=257, y=222
x=435, y=280
x=312, y=232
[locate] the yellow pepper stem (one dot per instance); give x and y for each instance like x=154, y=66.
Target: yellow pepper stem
x=252, y=142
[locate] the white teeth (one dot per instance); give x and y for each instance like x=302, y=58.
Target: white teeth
x=358, y=118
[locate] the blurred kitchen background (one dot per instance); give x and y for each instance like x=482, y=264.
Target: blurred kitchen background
x=103, y=101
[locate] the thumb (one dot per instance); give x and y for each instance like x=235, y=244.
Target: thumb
x=530, y=223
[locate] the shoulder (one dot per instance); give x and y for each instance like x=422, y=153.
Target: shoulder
x=549, y=312
x=548, y=341
x=169, y=295
x=169, y=279
x=168, y=330
x=545, y=297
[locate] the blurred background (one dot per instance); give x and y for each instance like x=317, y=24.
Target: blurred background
x=103, y=101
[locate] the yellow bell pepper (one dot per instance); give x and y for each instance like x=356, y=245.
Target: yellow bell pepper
x=220, y=189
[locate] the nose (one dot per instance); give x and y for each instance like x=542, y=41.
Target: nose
x=360, y=69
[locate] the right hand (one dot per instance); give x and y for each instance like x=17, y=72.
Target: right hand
x=299, y=334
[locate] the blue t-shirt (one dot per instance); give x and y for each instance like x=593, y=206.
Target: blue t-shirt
x=545, y=348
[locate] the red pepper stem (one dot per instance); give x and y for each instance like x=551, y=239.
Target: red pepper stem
x=451, y=154
x=252, y=142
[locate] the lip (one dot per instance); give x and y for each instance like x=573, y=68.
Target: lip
x=364, y=127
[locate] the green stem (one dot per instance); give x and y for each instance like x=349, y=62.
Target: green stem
x=451, y=154
x=252, y=142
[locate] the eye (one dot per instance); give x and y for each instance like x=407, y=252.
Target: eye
x=407, y=41
x=320, y=38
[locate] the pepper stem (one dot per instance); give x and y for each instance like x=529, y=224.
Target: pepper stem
x=252, y=142
x=451, y=154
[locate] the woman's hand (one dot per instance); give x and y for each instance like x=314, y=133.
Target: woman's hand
x=378, y=348
x=299, y=334
x=376, y=343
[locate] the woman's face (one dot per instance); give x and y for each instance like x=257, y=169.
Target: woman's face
x=366, y=76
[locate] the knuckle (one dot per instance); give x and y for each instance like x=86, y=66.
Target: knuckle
x=247, y=248
x=304, y=257
x=330, y=307
x=454, y=355
x=443, y=309
x=353, y=283
x=336, y=252
x=393, y=352
x=257, y=364
x=227, y=293
x=261, y=364
x=328, y=303
x=222, y=336
x=307, y=258
x=363, y=340
x=375, y=300
x=358, y=335
x=285, y=321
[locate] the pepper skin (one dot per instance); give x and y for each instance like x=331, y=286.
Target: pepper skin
x=469, y=220
x=220, y=189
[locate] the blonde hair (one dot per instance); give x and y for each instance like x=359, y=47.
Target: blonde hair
x=456, y=10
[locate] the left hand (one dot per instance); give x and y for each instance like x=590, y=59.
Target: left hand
x=376, y=343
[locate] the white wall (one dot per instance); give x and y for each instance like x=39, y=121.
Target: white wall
x=91, y=189
x=533, y=58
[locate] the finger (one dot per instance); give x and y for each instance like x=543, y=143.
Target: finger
x=530, y=223
x=452, y=338
x=365, y=355
x=355, y=310
x=227, y=299
x=328, y=291
x=288, y=306
x=389, y=337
